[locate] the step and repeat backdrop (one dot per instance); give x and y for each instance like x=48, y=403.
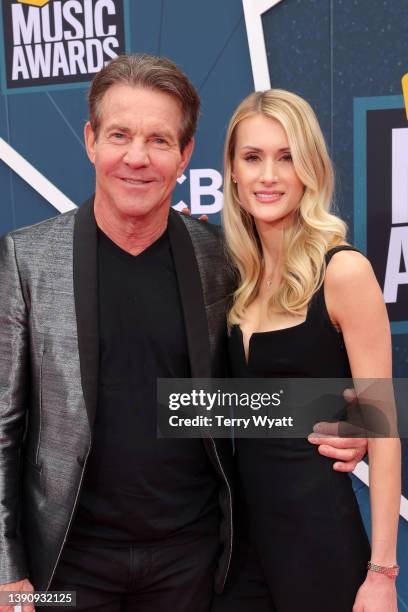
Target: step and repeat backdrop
x=346, y=57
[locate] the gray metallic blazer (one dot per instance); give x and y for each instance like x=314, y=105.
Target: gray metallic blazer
x=49, y=368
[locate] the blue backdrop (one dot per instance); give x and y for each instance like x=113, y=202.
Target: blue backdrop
x=346, y=57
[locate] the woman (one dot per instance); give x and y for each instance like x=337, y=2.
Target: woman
x=307, y=305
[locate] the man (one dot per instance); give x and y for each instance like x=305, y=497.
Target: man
x=95, y=305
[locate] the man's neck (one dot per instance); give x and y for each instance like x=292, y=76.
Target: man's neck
x=132, y=234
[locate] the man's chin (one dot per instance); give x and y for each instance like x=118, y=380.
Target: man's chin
x=141, y=210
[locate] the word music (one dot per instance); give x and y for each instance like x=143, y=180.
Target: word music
x=63, y=38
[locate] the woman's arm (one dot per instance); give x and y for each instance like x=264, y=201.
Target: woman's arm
x=356, y=305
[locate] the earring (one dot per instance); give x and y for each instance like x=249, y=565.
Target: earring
x=234, y=180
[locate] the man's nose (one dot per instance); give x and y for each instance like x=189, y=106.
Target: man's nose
x=136, y=154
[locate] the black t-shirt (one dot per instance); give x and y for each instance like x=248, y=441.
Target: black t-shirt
x=138, y=488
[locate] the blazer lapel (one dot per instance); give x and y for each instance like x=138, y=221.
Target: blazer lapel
x=85, y=271
x=191, y=293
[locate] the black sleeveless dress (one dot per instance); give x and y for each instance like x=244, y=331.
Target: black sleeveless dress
x=307, y=548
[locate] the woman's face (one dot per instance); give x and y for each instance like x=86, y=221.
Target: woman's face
x=268, y=186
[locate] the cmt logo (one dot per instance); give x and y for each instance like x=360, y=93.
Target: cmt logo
x=49, y=42
x=381, y=197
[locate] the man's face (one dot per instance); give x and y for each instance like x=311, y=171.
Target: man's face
x=136, y=155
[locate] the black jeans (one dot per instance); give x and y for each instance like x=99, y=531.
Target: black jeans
x=159, y=578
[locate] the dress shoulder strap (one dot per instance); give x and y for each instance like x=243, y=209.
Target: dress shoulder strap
x=341, y=247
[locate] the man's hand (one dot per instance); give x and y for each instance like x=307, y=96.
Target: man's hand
x=22, y=586
x=347, y=451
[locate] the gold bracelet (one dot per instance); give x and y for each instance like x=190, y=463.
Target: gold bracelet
x=391, y=571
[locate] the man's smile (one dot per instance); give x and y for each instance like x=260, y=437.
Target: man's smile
x=135, y=181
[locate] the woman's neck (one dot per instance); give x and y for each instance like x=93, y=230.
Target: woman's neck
x=271, y=238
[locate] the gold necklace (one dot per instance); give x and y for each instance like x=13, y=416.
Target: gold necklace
x=268, y=279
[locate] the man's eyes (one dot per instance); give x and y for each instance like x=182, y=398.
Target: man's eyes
x=156, y=140
x=159, y=140
x=118, y=136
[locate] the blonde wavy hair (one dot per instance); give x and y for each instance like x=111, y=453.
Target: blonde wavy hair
x=315, y=229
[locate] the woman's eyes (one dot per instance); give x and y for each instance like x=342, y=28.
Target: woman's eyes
x=287, y=157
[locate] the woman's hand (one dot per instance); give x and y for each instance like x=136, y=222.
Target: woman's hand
x=187, y=212
x=378, y=593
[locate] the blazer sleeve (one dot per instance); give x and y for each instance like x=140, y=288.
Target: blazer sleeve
x=14, y=381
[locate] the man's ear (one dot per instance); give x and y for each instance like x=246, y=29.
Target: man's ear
x=89, y=138
x=186, y=156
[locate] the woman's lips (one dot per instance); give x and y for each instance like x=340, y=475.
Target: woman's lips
x=268, y=196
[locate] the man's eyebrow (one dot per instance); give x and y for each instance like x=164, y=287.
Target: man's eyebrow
x=155, y=132
x=118, y=127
